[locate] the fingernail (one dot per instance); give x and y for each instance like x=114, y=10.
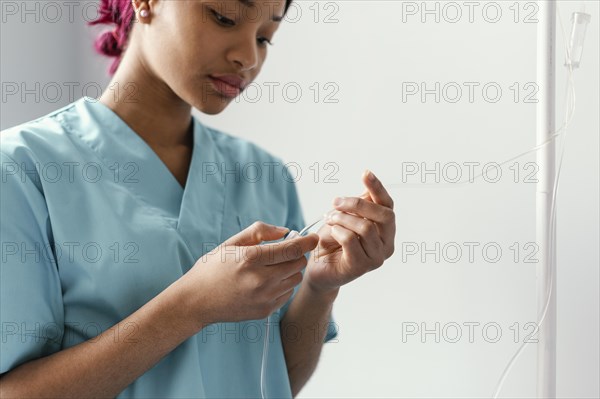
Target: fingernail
x=327, y=216
x=338, y=201
x=370, y=175
x=281, y=228
x=333, y=216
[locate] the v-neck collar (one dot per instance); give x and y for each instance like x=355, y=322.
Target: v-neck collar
x=136, y=166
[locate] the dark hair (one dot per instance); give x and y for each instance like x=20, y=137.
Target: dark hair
x=121, y=13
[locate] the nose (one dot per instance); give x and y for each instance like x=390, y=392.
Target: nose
x=245, y=54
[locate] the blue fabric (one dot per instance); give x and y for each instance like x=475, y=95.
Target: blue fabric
x=94, y=225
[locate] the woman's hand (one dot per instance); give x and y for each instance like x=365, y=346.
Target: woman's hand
x=358, y=238
x=241, y=280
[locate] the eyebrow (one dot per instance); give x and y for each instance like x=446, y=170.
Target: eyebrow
x=249, y=3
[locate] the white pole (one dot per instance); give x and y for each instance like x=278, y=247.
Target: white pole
x=546, y=42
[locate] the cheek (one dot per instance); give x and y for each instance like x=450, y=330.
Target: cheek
x=177, y=59
x=161, y=50
x=196, y=47
x=177, y=39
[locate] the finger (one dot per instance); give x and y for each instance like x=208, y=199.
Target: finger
x=376, y=190
x=367, y=209
x=283, y=298
x=283, y=251
x=366, y=230
x=350, y=244
x=256, y=233
x=384, y=217
x=281, y=271
x=327, y=244
x=288, y=284
x=381, y=214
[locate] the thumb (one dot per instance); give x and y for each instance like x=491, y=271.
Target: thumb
x=256, y=233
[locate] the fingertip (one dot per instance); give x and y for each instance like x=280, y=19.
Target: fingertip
x=280, y=229
x=370, y=176
x=315, y=237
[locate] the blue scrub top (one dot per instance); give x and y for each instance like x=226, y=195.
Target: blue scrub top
x=94, y=225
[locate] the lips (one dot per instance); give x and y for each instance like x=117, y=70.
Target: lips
x=228, y=85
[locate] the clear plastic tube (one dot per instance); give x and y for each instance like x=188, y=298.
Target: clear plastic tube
x=265, y=354
x=575, y=50
x=573, y=53
x=263, y=368
x=569, y=111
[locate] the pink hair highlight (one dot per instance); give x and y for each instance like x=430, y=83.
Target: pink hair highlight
x=112, y=43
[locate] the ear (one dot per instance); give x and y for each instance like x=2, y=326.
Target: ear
x=143, y=9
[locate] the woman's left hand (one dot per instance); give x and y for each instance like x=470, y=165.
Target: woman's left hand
x=356, y=239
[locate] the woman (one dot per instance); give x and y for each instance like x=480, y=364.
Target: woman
x=133, y=256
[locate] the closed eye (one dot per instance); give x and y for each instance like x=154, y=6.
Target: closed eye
x=264, y=40
x=222, y=19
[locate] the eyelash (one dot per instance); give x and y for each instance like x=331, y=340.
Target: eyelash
x=263, y=40
x=222, y=20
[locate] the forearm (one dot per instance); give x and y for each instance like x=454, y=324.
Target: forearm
x=107, y=364
x=309, y=315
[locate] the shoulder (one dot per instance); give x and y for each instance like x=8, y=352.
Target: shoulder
x=30, y=146
x=29, y=140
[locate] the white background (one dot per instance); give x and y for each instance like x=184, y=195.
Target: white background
x=368, y=51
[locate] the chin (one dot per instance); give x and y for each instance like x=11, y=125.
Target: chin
x=211, y=106
x=202, y=96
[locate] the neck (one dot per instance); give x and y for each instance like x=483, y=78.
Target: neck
x=148, y=105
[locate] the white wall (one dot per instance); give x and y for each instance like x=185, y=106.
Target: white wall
x=374, y=50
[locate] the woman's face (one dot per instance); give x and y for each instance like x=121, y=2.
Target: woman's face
x=189, y=42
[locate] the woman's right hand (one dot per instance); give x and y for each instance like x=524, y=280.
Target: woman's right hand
x=242, y=280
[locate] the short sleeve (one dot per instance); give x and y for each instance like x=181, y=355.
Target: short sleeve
x=31, y=306
x=295, y=221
